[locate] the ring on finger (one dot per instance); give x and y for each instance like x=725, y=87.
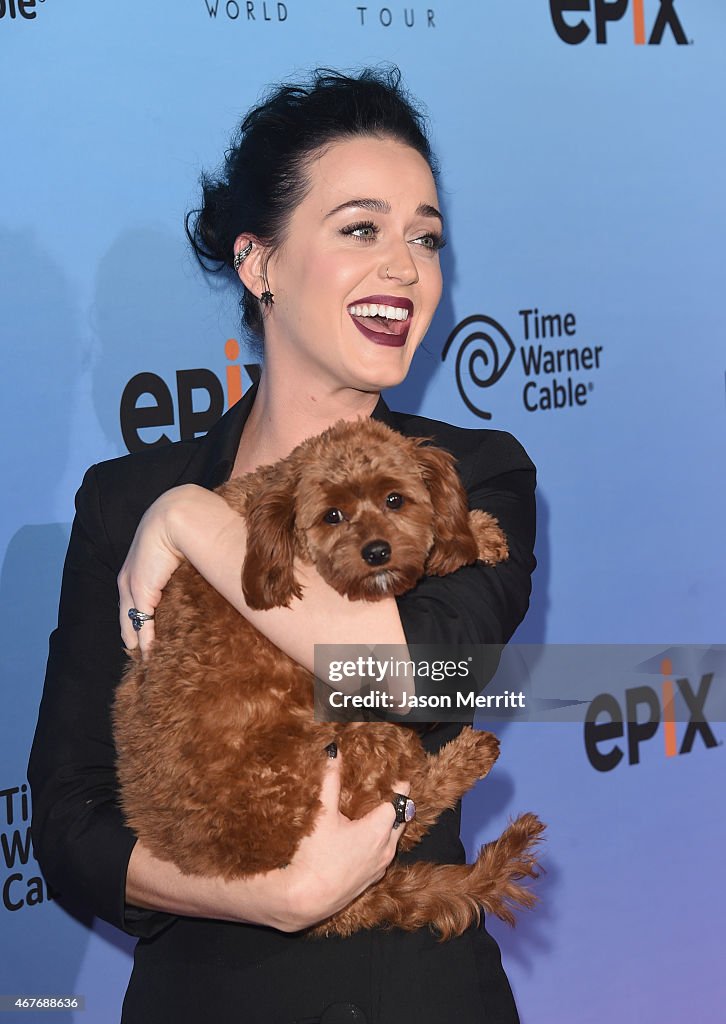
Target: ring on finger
x=405, y=809
x=138, y=618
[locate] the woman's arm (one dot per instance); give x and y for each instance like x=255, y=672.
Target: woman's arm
x=478, y=604
x=330, y=868
x=79, y=836
x=481, y=604
x=193, y=523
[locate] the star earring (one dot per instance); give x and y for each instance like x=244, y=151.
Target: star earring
x=266, y=298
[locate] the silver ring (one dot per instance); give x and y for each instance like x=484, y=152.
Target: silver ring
x=138, y=618
x=405, y=809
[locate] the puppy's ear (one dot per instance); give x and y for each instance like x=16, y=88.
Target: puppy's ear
x=454, y=543
x=268, y=580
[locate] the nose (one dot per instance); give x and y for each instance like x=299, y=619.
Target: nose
x=398, y=264
x=376, y=552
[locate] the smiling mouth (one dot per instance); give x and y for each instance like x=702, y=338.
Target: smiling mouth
x=381, y=322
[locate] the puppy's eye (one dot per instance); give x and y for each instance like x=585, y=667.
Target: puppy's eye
x=394, y=500
x=333, y=516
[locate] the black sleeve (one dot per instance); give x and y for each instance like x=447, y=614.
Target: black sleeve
x=480, y=604
x=79, y=837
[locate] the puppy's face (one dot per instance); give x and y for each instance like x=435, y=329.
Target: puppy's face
x=365, y=520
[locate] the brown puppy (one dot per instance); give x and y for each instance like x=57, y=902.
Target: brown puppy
x=219, y=759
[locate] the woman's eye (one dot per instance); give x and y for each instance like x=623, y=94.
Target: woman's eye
x=431, y=241
x=366, y=231
x=394, y=500
x=333, y=516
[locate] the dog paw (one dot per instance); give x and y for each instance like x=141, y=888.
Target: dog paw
x=491, y=542
x=487, y=745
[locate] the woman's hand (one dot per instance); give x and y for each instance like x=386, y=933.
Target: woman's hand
x=186, y=522
x=152, y=559
x=331, y=866
x=340, y=858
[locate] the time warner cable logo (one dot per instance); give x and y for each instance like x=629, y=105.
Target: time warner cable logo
x=555, y=378
x=606, y=12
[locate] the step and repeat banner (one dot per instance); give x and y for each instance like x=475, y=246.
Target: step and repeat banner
x=582, y=146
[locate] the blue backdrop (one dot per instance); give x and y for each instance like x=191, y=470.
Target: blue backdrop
x=582, y=156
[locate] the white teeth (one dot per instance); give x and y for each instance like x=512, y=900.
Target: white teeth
x=390, y=312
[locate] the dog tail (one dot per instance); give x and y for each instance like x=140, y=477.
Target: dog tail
x=503, y=863
x=449, y=898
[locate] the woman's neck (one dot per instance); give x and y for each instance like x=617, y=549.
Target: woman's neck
x=286, y=412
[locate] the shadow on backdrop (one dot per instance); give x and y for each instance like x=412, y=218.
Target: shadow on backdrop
x=154, y=311
x=497, y=795
x=39, y=323
x=46, y=942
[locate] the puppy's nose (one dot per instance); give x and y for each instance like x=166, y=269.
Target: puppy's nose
x=377, y=552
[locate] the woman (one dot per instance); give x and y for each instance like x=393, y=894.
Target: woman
x=326, y=205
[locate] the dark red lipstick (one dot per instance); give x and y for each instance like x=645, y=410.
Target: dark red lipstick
x=379, y=329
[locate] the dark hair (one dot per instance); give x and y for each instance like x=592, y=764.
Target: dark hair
x=264, y=174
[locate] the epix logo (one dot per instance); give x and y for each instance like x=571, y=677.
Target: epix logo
x=147, y=401
x=605, y=12
x=645, y=710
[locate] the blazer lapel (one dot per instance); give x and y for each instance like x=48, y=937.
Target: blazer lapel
x=212, y=462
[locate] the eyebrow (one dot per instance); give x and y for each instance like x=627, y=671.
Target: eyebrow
x=383, y=206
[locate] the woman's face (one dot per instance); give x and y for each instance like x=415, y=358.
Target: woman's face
x=366, y=234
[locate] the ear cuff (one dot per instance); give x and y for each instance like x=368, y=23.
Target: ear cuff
x=266, y=298
x=241, y=256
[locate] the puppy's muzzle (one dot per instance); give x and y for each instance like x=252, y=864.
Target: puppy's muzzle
x=377, y=552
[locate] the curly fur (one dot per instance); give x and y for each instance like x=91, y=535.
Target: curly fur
x=219, y=759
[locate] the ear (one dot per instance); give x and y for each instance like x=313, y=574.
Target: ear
x=454, y=543
x=251, y=271
x=268, y=580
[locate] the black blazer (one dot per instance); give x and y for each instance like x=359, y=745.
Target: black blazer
x=78, y=833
